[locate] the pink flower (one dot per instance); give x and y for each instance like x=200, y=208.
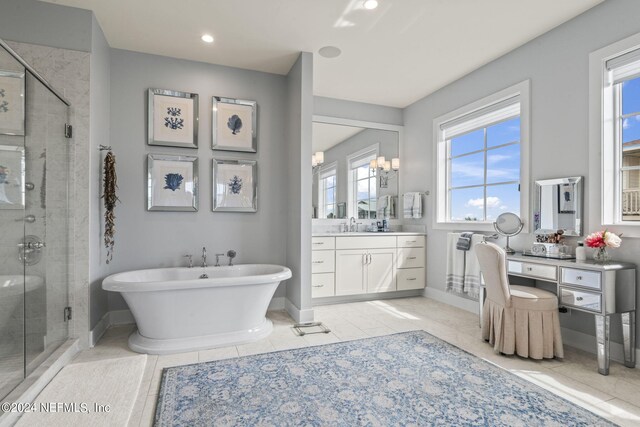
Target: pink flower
x=603, y=239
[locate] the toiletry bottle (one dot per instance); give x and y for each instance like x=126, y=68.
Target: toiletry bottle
x=581, y=252
x=385, y=225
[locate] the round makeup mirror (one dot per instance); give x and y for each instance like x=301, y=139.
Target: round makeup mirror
x=508, y=224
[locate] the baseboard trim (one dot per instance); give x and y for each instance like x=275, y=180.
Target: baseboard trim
x=447, y=298
x=300, y=316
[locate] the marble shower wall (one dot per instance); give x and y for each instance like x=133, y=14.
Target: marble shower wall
x=69, y=72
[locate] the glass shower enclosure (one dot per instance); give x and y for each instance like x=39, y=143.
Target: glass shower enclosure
x=35, y=162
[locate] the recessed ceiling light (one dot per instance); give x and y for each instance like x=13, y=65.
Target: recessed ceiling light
x=207, y=38
x=370, y=4
x=329, y=51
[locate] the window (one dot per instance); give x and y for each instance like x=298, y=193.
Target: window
x=480, y=151
x=614, y=137
x=327, y=192
x=362, y=184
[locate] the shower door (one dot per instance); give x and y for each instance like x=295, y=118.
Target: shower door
x=35, y=161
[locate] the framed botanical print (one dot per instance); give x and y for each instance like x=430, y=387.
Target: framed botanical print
x=235, y=185
x=234, y=124
x=11, y=177
x=11, y=103
x=172, y=183
x=173, y=118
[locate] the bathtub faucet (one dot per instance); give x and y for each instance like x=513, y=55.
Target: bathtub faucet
x=218, y=260
x=204, y=257
x=231, y=254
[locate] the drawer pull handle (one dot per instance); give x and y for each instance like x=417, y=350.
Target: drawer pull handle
x=578, y=298
x=411, y=278
x=411, y=257
x=318, y=286
x=318, y=243
x=318, y=262
x=411, y=241
x=578, y=277
x=529, y=269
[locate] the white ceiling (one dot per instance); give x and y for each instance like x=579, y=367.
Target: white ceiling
x=326, y=135
x=393, y=55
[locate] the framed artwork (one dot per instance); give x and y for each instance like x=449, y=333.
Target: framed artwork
x=235, y=185
x=11, y=103
x=234, y=124
x=172, y=183
x=566, y=199
x=173, y=118
x=11, y=177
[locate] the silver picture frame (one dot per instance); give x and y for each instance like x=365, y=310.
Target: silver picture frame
x=234, y=185
x=12, y=101
x=172, y=118
x=172, y=183
x=234, y=125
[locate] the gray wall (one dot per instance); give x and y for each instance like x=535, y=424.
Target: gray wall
x=299, y=116
x=99, y=134
x=160, y=239
x=32, y=21
x=357, y=110
x=557, y=64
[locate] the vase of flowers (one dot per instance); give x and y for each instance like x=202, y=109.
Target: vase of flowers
x=600, y=241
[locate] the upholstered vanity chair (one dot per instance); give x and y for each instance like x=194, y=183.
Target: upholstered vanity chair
x=517, y=319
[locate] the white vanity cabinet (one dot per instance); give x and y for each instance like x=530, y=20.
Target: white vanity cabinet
x=370, y=263
x=322, y=267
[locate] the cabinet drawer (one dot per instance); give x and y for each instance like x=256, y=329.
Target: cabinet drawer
x=579, y=299
x=410, y=257
x=322, y=285
x=549, y=272
x=323, y=243
x=585, y=278
x=411, y=241
x=410, y=278
x=366, y=242
x=322, y=261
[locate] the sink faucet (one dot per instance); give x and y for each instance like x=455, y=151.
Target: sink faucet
x=352, y=224
x=204, y=257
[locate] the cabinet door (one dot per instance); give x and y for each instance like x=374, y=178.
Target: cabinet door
x=381, y=270
x=350, y=272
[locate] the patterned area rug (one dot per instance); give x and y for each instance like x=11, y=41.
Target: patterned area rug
x=411, y=378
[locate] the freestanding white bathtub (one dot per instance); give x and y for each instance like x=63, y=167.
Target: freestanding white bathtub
x=176, y=311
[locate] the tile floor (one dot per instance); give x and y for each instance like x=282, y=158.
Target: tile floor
x=616, y=397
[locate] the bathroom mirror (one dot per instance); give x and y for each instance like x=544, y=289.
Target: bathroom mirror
x=508, y=224
x=558, y=206
x=343, y=184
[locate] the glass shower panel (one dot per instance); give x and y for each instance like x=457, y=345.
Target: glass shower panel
x=46, y=224
x=12, y=211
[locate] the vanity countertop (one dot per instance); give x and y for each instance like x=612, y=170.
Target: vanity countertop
x=588, y=264
x=371, y=233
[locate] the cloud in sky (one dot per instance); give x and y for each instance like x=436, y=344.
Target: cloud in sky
x=492, y=202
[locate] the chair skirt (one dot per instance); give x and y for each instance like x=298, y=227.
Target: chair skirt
x=527, y=333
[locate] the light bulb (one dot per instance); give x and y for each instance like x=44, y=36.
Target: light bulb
x=320, y=157
x=207, y=38
x=381, y=160
x=373, y=164
x=387, y=166
x=370, y=4
x=395, y=164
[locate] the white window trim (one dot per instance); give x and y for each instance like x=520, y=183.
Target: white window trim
x=351, y=196
x=324, y=169
x=602, y=172
x=440, y=221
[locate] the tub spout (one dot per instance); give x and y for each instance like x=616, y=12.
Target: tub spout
x=204, y=257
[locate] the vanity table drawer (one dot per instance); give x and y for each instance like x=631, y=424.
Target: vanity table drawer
x=411, y=241
x=410, y=278
x=548, y=272
x=322, y=261
x=410, y=257
x=579, y=299
x=323, y=243
x=322, y=285
x=585, y=278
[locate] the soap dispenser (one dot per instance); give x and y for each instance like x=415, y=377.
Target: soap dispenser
x=581, y=252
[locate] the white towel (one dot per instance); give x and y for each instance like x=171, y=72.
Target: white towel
x=455, y=265
x=384, y=207
x=472, y=276
x=417, y=206
x=407, y=205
